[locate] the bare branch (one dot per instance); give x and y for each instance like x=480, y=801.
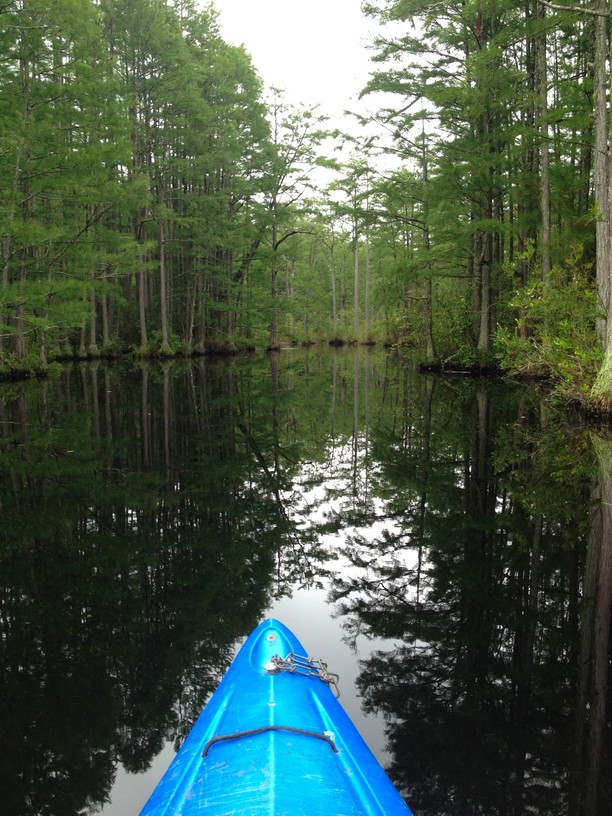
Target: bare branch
x=574, y=9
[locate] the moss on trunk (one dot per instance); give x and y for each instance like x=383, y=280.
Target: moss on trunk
x=601, y=392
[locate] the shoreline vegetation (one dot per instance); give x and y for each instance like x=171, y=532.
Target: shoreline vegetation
x=156, y=201
x=33, y=369
x=37, y=371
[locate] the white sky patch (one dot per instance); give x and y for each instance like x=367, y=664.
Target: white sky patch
x=316, y=51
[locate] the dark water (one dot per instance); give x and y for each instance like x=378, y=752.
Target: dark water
x=445, y=545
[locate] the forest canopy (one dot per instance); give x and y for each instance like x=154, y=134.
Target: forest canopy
x=157, y=200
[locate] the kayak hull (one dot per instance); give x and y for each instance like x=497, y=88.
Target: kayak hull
x=273, y=742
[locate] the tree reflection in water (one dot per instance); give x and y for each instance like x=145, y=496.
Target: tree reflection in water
x=143, y=532
x=497, y=597
x=150, y=517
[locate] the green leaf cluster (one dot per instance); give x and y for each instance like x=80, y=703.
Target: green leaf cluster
x=555, y=335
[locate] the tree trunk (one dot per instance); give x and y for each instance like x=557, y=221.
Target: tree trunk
x=485, y=261
x=142, y=311
x=93, y=347
x=356, y=284
x=484, y=276
x=601, y=170
x=601, y=393
x=163, y=284
x=289, y=277
x=273, y=344
x=430, y=349
x=367, y=288
x=542, y=95
x=274, y=341
x=332, y=270
x=4, y=284
x=105, y=322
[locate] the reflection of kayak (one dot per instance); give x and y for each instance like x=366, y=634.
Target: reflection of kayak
x=273, y=739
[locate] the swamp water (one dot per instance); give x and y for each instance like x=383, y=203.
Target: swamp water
x=443, y=544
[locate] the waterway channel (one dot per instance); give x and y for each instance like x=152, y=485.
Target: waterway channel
x=442, y=543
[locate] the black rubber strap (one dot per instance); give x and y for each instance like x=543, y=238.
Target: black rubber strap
x=265, y=728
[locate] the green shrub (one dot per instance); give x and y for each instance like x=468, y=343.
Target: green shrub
x=555, y=335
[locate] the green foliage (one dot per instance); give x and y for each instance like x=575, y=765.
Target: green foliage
x=150, y=199
x=555, y=335
x=407, y=327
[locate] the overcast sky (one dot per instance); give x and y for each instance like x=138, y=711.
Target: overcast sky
x=314, y=49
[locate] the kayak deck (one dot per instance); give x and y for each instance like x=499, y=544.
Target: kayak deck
x=273, y=742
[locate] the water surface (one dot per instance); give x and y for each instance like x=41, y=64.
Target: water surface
x=442, y=544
